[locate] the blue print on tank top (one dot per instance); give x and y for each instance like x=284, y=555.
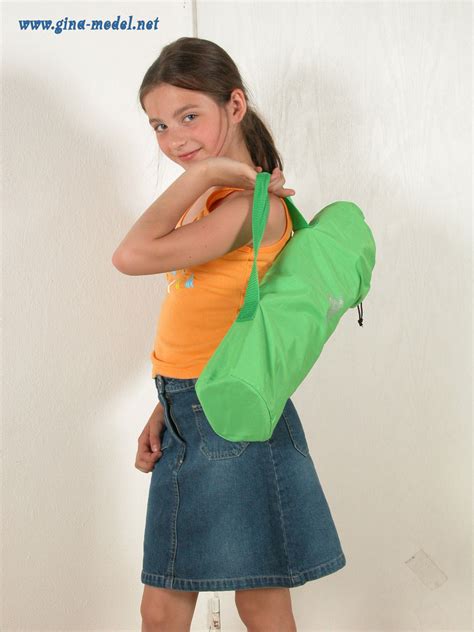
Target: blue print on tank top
x=178, y=280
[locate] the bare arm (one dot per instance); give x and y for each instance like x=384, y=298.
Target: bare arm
x=162, y=216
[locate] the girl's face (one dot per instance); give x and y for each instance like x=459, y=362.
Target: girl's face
x=189, y=121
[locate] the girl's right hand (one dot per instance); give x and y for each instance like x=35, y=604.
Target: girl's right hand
x=150, y=437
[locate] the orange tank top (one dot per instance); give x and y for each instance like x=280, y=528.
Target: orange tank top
x=203, y=301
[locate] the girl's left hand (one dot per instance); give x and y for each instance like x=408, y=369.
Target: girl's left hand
x=223, y=171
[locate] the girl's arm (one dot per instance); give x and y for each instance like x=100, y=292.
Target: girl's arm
x=162, y=216
x=153, y=246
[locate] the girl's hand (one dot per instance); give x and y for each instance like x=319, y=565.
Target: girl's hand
x=223, y=171
x=150, y=436
x=277, y=180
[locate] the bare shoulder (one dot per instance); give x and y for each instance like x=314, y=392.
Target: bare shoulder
x=241, y=202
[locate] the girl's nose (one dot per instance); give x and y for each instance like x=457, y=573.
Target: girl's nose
x=177, y=147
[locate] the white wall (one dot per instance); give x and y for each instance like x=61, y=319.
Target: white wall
x=369, y=102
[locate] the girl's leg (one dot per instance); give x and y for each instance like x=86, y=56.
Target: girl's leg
x=166, y=610
x=266, y=609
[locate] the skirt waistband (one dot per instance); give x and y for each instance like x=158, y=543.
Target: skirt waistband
x=173, y=384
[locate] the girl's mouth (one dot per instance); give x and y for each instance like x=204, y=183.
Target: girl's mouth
x=190, y=155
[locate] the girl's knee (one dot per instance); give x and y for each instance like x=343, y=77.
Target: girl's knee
x=164, y=608
x=267, y=602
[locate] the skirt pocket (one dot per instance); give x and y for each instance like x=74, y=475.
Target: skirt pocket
x=212, y=445
x=295, y=428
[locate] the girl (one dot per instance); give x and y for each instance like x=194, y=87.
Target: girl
x=245, y=516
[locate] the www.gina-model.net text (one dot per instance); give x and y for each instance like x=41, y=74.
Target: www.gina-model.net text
x=68, y=24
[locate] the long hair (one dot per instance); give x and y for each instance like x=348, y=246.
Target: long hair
x=199, y=64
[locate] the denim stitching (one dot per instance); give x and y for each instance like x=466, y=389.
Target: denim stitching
x=173, y=420
x=303, y=451
x=174, y=517
x=167, y=439
x=295, y=579
x=282, y=522
x=230, y=452
x=330, y=562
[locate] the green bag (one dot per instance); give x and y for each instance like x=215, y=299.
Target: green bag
x=324, y=269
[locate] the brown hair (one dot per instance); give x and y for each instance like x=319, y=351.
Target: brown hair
x=199, y=64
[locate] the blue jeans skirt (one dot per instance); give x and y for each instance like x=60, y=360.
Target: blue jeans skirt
x=224, y=515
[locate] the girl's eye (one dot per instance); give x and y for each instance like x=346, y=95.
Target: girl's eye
x=160, y=124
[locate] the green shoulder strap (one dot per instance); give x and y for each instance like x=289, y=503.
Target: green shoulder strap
x=260, y=210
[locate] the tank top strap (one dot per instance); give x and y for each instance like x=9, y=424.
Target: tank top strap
x=219, y=195
x=211, y=198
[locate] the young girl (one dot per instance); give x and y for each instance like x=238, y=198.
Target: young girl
x=245, y=516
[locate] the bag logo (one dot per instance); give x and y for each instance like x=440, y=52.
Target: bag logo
x=335, y=305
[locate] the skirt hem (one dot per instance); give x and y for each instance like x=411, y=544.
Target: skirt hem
x=240, y=583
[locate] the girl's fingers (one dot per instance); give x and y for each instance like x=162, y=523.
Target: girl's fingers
x=276, y=184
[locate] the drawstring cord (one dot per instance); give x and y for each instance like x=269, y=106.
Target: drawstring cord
x=360, y=312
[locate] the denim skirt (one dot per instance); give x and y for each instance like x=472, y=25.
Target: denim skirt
x=224, y=515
